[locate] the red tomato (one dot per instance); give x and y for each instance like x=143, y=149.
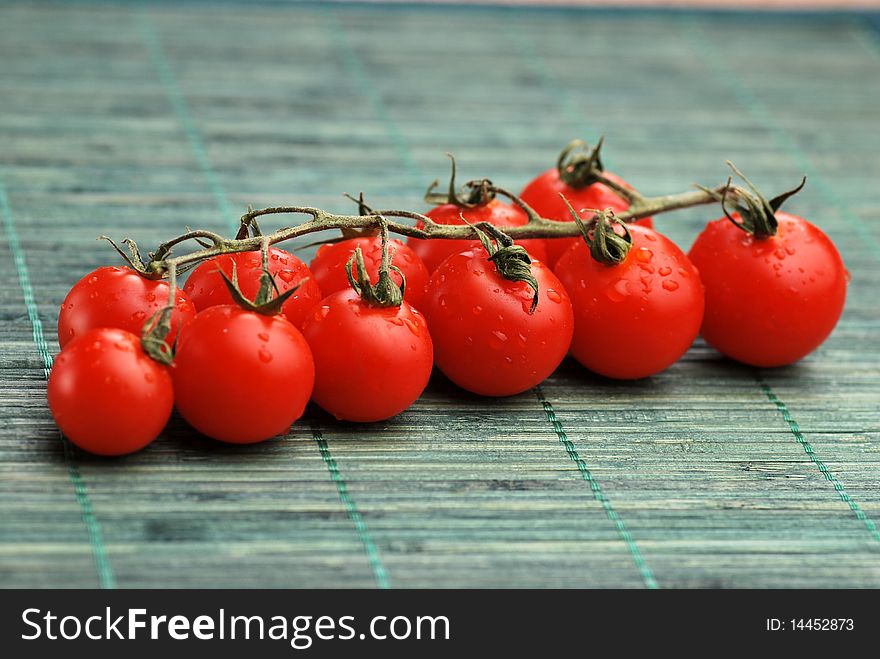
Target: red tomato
x=636, y=318
x=206, y=287
x=485, y=339
x=542, y=194
x=106, y=395
x=769, y=302
x=371, y=362
x=328, y=266
x=118, y=297
x=241, y=377
x=434, y=251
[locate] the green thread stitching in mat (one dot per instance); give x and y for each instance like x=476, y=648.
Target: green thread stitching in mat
x=533, y=60
x=598, y=493
x=354, y=514
x=357, y=72
x=756, y=108
x=748, y=100
x=823, y=468
x=181, y=108
x=80, y=489
x=356, y=69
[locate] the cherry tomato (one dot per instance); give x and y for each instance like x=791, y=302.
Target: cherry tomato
x=769, y=302
x=206, y=287
x=106, y=395
x=542, y=194
x=371, y=362
x=433, y=252
x=118, y=297
x=638, y=317
x=241, y=377
x=328, y=266
x=485, y=339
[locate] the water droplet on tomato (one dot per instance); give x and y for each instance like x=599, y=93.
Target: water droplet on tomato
x=124, y=346
x=644, y=255
x=394, y=321
x=93, y=279
x=264, y=355
x=582, y=283
x=321, y=313
x=683, y=272
x=151, y=297
x=274, y=257
x=521, y=338
x=286, y=276
x=93, y=295
x=789, y=250
x=779, y=253
x=664, y=271
x=263, y=336
x=651, y=237
x=139, y=316
x=647, y=267
x=149, y=377
x=469, y=340
x=554, y=296
x=618, y=292
x=670, y=284
x=847, y=275
x=497, y=340
x=477, y=310
x=508, y=360
x=412, y=326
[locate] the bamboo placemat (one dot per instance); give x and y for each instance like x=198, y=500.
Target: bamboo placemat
x=136, y=119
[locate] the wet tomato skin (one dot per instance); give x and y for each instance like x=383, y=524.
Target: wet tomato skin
x=433, y=252
x=542, y=194
x=769, y=302
x=328, y=266
x=485, y=340
x=206, y=287
x=636, y=318
x=106, y=395
x=241, y=377
x=116, y=296
x=371, y=363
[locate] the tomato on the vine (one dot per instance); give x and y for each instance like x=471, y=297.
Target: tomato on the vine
x=328, y=266
x=637, y=317
x=371, y=362
x=495, y=212
x=106, y=395
x=206, y=287
x=769, y=301
x=240, y=376
x=572, y=177
x=116, y=296
x=488, y=336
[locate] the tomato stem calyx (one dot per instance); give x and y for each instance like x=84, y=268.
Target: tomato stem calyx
x=385, y=292
x=606, y=245
x=269, y=299
x=511, y=261
x=472, y=194
x=757, y=214
x=580, y=165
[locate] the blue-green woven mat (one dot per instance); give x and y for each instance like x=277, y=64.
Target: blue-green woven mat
x=139, y=119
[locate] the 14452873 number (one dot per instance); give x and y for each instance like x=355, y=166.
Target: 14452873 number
x=811, y=624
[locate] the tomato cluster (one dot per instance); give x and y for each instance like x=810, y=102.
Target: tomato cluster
x=256, y=335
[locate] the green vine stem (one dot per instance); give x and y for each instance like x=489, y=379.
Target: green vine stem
x=163, y=262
